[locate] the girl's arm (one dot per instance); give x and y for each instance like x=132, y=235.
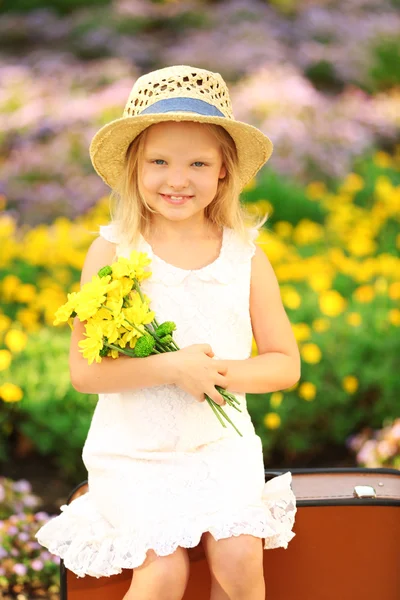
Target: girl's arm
x=112, y=375
x=278, y=364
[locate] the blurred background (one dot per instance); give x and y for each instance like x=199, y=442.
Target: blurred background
x=321, y=78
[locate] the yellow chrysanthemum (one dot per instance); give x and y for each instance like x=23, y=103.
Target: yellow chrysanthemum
x=301, y=331
x=93, y=343
x=5, y=359
x=311, y=353
x=272, y=420
x=15, y=340
x=354, y=319
x=91, y=297
x=331, y=303
x=290, y=297
x=320, y=325
x=316, y=190
x=9, y=392
x=276, y=399
x=350, y=384
x=307, y=391
x=394, y=317
x=364, y=293
x=63, y=313
x=25, y=293
x=283, y=229
x=394, y=290
x=134, y=266
x=5, y=322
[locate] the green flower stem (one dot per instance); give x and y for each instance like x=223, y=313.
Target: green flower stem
x=123, y=351
x=217, y=407
x=211, y=403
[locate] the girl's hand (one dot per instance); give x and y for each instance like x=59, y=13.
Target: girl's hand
x=197, y=373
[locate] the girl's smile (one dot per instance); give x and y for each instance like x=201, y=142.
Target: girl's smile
x=176, y=199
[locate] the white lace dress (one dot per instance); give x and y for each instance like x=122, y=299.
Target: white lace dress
x=161, y=468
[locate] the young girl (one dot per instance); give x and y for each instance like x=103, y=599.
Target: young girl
x=164, y=474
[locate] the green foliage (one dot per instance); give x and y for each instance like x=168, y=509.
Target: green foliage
x=289, y=200
x=384, y=72
x=52, y=413
x=369, y=351
x=61, y=7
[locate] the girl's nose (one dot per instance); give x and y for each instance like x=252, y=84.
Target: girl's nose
x=177, y=179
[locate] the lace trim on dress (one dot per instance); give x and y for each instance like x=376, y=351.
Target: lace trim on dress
x=90, y=545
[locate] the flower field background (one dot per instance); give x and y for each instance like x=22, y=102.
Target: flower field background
x=321, y=80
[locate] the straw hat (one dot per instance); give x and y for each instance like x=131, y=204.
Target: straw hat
x=178, y=93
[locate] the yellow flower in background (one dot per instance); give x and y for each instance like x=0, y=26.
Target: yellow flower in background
x=352, y=183
x=5, y=322
x=290, y=296
x=382, y=159
x=251, y=185
x=350, y=384
x=311, y=353
x=316, y=190
x=15, y=340
x=394, y=290
x=283, y=229
x=307, y=232
x=5, y=359
x=276, y=399
x=394, y=317
x=9, y=286
x=320, y=325
x=364, y=293
x=9, y=392
x=28, y=318
x=260, y=208
x=25, y=293
x=381, y=285
x=354, y=319
x=301, y=331
x=292, y=387
x=320, y=282
x=307, y=391
x=272, y=420
x=331, y=303
x=361, y=244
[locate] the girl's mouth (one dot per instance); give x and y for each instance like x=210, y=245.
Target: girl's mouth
x=176, y=199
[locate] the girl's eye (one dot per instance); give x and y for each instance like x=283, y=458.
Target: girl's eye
x=158, y=160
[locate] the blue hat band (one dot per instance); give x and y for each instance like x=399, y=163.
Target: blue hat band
x=183, y=105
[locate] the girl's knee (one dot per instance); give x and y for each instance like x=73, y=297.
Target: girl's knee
x=166, y=575
x=239, y=558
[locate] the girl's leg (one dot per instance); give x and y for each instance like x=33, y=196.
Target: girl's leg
x=161, y=577
x=236, y=567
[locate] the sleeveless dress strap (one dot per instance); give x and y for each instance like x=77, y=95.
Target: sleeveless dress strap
x=108, y=233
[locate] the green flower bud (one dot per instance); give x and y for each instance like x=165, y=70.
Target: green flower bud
x=107, y=270
x=166, y=339
x=165, y=328
x=144, y=346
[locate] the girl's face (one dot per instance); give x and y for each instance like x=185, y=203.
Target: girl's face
x=180, y=169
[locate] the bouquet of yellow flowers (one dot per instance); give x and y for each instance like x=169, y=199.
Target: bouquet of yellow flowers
x=119, y=319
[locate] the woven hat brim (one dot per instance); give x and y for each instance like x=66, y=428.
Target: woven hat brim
x=109, y=145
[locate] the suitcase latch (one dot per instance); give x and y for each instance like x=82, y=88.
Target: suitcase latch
x=364, y=491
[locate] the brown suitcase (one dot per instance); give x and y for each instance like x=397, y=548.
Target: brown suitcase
x=347, y=544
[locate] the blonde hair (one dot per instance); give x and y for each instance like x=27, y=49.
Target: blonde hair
x=132, y=215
